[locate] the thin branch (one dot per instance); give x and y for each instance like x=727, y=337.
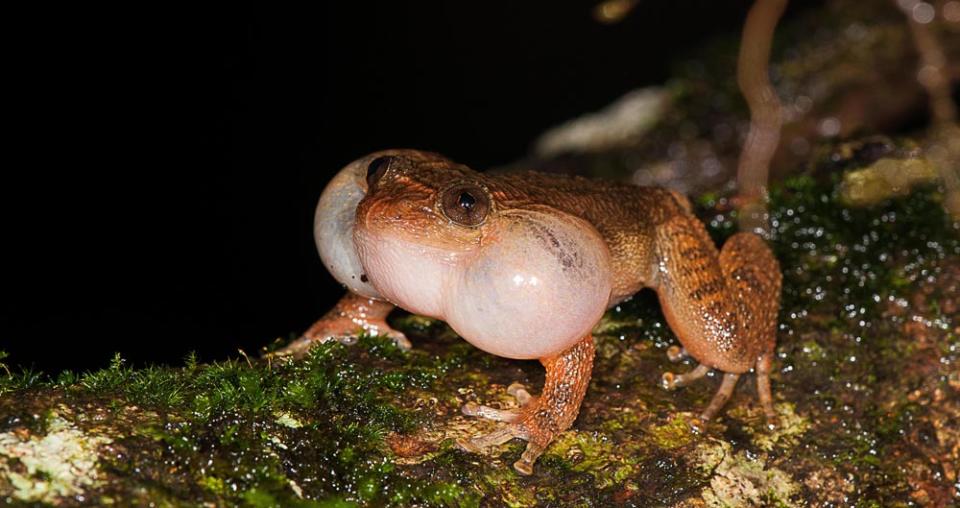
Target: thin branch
x=753, y=77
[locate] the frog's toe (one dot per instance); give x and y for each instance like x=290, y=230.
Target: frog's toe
x=676, y=353
x=524, y=466
x=503, y=434
x=343, y=329
x=300, y=347
x=720, y=398
x=498, y=437
x=671, y=381
x=668, y=381
x=519, y=392
x=398, y=337
x=500, y=415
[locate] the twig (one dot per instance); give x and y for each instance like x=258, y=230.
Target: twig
x=766, y=117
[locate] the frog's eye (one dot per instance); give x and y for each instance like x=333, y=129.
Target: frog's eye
x=377, y=168
x=465, y=204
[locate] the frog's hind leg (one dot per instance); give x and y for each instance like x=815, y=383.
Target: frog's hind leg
x=754, y=275
x=541, y=418
x=721, y=305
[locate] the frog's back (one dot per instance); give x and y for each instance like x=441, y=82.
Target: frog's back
x=625, y=215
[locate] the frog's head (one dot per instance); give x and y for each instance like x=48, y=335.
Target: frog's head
x=422, y=220
x=439, y=239
x=427, y=200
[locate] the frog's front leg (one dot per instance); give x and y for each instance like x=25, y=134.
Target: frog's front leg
x=722, y=306
x=540, y=418
x=352, y=315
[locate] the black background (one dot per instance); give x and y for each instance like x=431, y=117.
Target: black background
x=159, y=189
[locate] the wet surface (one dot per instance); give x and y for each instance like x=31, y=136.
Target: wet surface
x=865, y=385
x=866, y=382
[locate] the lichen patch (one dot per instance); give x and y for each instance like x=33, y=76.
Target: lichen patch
x=742, y=480
x=47, y=468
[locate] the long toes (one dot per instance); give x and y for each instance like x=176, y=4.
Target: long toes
x=495, y=438
x=720, y=398
x=500, y=415
x=519, y=392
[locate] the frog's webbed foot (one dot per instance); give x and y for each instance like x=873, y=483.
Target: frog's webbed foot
x=518, y=423
x=539, y=419
x=353, y=314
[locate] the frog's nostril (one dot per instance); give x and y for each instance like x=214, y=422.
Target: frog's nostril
x=377, y=168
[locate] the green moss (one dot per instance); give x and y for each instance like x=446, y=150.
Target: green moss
x=675, y=433
x=372, y=425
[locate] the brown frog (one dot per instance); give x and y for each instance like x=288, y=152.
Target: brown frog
x=524, y=265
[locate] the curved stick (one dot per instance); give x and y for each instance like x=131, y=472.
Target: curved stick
x=765, y=112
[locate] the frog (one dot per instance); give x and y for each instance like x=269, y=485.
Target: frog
x=523, y=265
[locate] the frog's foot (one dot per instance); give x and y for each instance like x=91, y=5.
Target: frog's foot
x=676, y=354
x=518, y=423
x=352, y=316
x=671, y=381
x=540, y=418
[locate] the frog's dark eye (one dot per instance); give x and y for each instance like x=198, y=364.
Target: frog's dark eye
x=377, y=168
x=465, y=204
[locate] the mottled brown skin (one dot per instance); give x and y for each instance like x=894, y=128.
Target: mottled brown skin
x=721, y=305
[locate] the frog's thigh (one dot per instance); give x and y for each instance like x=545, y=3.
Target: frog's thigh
x=753, y=276
x=696, y=296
